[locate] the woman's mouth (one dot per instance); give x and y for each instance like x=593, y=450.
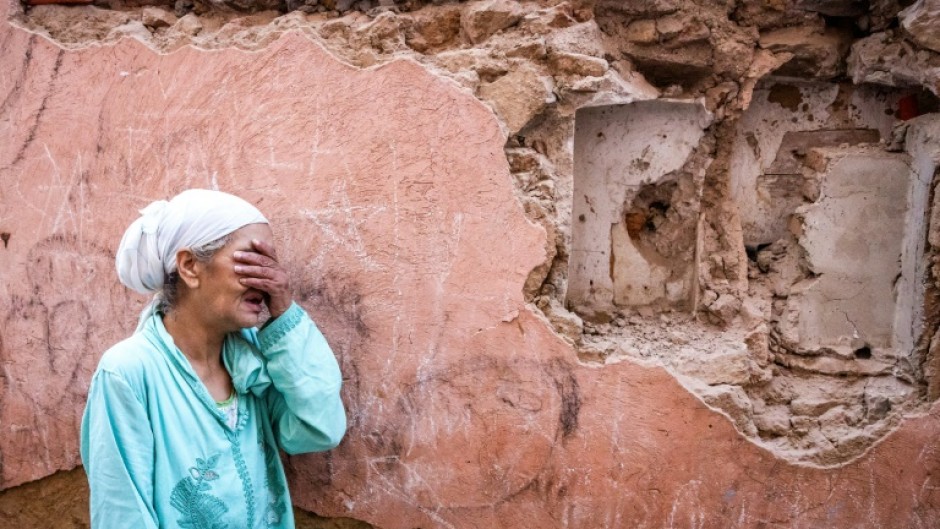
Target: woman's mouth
x=255, y=300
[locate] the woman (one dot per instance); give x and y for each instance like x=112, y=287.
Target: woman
x=185, y=418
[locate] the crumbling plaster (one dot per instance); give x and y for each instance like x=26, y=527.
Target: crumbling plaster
x=785, y=108
x=546, y=415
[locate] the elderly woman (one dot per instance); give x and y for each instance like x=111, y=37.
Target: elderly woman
x=186, y=417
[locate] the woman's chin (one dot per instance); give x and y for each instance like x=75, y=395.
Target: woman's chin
x=249, y=318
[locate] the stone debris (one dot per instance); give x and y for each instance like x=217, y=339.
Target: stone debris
x=921, y=20
x=433, y=29
x=565, y=63
x=888, y=59
x=189, y=25
x=815, y=54
x=481, y=20
x=156, y=18
x=518, y=96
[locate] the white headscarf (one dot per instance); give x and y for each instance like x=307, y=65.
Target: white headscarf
x=147, y=253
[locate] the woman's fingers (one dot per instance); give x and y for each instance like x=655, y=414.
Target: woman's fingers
x=265, y=249
x=253, y=258
x=262, y=271
x=264, y=285
x=256, y=271
x=271, y=280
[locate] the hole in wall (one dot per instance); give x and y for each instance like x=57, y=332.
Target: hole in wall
x=863, y=353
x=752, y=251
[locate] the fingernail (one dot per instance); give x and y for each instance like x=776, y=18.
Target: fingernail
x=239, y=268
x=238, y=255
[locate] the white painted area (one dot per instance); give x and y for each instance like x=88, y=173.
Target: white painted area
x=635, y=281
x=618, y=149
x=853, y=239
x=766, y=122
x=923, y=144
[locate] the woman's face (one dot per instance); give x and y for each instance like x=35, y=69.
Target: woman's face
x=223, y=300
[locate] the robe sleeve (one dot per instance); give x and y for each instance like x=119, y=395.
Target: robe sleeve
x=117, y=449
x=305, y=404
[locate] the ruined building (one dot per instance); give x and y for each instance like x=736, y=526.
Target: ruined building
x=585, y=264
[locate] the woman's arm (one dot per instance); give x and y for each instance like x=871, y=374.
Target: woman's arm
x=117, y=452
x=305, y=404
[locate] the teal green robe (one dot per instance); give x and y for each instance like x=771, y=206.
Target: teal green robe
x=158, y=452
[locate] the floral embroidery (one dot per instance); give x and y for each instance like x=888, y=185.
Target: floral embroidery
x=200, y=509
x=276, y=508
x=242, y=468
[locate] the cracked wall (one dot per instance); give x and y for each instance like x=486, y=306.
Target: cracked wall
x=430, y=165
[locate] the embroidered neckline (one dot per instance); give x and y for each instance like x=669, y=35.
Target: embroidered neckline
x=226, y=402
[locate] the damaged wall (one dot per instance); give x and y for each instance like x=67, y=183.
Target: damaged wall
x=628, y=191
x=584, y=264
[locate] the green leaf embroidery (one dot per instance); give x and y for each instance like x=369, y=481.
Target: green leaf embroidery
x=200, y=510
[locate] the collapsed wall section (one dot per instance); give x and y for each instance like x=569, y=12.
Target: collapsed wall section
x=831, y=220
x=819, y=364
x=787, y=118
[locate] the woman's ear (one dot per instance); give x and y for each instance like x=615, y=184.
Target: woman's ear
x=188, y=267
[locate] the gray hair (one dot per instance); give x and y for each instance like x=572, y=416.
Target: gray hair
x=169, y=294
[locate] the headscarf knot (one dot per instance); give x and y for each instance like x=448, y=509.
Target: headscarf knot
x=152, y=215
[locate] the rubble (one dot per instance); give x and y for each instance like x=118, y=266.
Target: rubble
x=887, y=59
x=518, y=96
x=479, y=21
x=815, y=54
x=155, y=17
x=920, y=20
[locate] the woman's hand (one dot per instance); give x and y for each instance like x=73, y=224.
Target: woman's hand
x=263, y=272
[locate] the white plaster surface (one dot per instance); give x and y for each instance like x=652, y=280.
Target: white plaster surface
x=618, y=149
x=923, y=145
x=853, y=240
